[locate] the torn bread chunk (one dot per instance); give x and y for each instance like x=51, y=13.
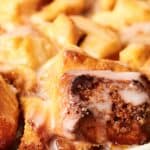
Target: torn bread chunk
x=101, y=106
x=9, y=113
x=98, y=107
x=59, y=93
x=41, y=111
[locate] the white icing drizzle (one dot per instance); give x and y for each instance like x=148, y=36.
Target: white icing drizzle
x=103, y=105
x=69, y=124
x=133, y=96
x=109, y=74
x=142, y=147
x=53, y=145
x=104, y=108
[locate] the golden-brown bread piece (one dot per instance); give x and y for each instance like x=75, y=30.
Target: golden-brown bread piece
x=5, y=15
x=31, y=140
x=26, y=46
x=19, y=77
x=135, y=55
x=57, y=32
x=138, y=33
x=145, y=69
x=9, y=113
x=107, y=4
x=125, y=12
x=22, y=80
x=49, y=77
x=51, y=11
x=42, y=108
x=20, y=10
x=99, y=41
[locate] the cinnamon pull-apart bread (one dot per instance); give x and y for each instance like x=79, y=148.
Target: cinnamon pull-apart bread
x=9, y=113
x=103, y=105
x=41, y=109
x=75, y=74
x=87, y=105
